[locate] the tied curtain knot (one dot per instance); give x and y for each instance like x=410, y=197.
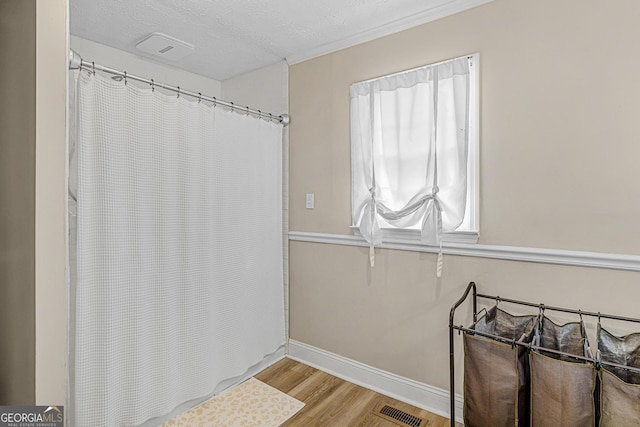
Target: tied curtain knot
x=425, y=206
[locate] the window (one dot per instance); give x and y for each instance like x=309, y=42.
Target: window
x=414, y=155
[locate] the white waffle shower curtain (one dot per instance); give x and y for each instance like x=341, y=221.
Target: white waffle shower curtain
x=179, y=250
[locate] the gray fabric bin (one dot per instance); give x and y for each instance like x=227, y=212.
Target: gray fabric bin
x=619, y=388
x=621, y=350
x=562, y=388
x=620, y=401
x=496, y=374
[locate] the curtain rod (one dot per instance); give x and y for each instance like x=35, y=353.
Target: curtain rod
x=470, y=57
x=76, y=62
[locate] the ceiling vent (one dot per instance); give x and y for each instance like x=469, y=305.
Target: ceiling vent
x=165, y=46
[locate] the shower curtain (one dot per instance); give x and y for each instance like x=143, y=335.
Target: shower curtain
x=177, y=285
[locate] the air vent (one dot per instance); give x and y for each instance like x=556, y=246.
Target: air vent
x=165, y=46
x=399, y=417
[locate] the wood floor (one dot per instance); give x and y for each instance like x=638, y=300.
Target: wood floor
x=330, y=401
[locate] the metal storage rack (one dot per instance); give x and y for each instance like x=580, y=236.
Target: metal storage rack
x=472, y=289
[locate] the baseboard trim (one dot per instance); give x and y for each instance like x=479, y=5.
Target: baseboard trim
x=511, y=253
x=432, y=399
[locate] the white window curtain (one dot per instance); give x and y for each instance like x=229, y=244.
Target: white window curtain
x=409, y=151
x=179, y=283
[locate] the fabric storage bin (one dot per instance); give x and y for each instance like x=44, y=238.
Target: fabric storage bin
x=620, y=401
x=496, y=390
x=621, y=350
x=562, y=390
x=619, y=388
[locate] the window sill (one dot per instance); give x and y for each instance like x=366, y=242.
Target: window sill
x=413, y=238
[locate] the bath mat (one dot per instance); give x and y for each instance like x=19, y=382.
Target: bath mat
x=252, y=403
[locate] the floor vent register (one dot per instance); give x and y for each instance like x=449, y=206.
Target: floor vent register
x=399, y=417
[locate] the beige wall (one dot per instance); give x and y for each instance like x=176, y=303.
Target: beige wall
x=17, y=202
x=52, y=50
x=32, y=197
x=265, y=89
x=559, y=150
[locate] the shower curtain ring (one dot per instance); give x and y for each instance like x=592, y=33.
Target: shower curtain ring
x=153, y=87
x=93, y=67
x=233, y=107
x=215, y=102
x=259, y=114
x=199, y=97
x=178, y=92
x=125, y=78
x=247, y=111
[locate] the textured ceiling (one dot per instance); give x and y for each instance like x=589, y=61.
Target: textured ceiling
x=232, y=37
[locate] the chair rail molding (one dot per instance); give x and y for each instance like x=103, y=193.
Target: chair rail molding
x=511, y=253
